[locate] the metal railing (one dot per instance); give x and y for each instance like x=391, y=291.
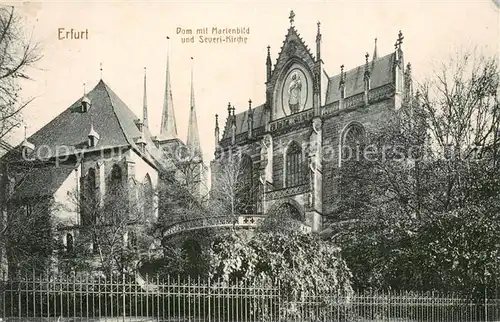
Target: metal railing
x=74, y=298
x=242, y=221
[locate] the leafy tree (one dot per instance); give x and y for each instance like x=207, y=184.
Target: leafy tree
x=302, y=263
x=425, y=200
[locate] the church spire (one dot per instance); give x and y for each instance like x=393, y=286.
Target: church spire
x=145, y=121
x=193, y=137
x=168, y=128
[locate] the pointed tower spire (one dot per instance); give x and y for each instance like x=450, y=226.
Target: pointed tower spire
x=193, y=136
x=168, y=128
x=375, y=53
x=145, y=104
x=269, y=65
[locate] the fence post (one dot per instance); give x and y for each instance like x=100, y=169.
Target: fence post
x=209, y=307
x=123, y=296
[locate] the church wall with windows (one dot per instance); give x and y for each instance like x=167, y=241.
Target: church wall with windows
x=311, y=111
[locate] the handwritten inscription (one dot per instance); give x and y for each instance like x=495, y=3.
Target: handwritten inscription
x=214, y=35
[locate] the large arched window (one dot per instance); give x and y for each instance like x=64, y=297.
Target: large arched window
x=352, y=143
x=294, y=165
x=115, y=186
x=244, y=194
x=116, y=207
x=89, y=198
x=148, y=200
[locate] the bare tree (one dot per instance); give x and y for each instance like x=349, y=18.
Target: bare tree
x=231, y=193
x=462, y=104
x=18, y=53
x=116, y=229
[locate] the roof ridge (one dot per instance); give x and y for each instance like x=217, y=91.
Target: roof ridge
x=362, y=65
x=106, y=88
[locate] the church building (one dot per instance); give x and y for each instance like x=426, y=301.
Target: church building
x=291, y=145
x=95, y=148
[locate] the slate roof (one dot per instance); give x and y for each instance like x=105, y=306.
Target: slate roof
x=67, y=134
x=380, y=74
x=242, y=121
x=112, y=119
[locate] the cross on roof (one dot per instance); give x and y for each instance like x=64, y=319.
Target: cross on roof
x=291, y=17
x=400, y=38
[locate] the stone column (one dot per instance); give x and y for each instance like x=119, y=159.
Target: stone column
x=315, y=206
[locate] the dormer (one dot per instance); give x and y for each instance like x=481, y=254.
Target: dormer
x=141, y=143
x=93, y=137
x=27, y=147
x=85, y=104
x=139, y=124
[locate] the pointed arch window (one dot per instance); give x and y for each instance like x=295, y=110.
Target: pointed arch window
x=148, y=198
x=115, y=180
x=352, y=142
x=89, y=198
x=244, y=195
x=294, y=165
x=69, y=243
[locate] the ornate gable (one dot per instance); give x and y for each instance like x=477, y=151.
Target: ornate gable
x=290, y=87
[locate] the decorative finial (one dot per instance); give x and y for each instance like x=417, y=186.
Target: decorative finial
x=342, y=76
x=366, y=57
x=84, y=90
x=233, y=108
x=229, y=108
x=375, y=54
x=268, y=50
x=216, y=120
x=396, y=45
x=100, y=68
x=250, y=104
x=319, y=24
x=291, y=17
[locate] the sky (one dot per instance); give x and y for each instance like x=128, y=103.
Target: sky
x=127, y=36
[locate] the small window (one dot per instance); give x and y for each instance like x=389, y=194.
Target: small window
x=29, y=209
x=69, y=243
x=95, y=246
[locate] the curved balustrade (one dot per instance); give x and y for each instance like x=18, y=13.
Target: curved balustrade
x=243, y=221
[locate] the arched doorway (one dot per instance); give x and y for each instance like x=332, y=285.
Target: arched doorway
x=284, y=215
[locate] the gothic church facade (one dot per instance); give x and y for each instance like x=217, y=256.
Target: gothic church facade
x=291, y=145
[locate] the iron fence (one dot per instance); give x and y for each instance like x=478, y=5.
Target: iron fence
x=121, y=299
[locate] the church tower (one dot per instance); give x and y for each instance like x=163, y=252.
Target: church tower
x=194, y=168
x=168, y=139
